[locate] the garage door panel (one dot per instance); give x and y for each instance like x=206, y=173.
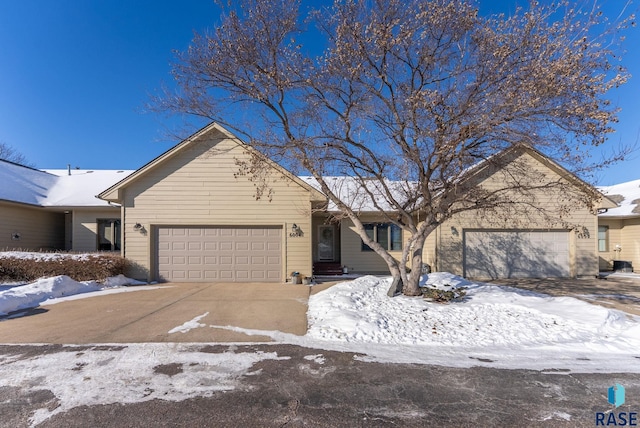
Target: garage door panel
x=516, y=254
x=219, y=254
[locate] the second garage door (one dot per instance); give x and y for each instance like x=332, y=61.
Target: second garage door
x=219, y=254
x=516, y=254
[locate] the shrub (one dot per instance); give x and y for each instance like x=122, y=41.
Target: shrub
x=89, y=267
x=443, y=296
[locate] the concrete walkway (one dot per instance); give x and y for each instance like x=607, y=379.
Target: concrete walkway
x=149, y=315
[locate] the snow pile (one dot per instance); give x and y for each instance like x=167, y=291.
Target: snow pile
x=443, y=281
x=490, y=316
x=33, y=294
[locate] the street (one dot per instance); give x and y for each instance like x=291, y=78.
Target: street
x=312, y=387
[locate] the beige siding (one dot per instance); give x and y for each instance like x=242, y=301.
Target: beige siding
x=85, y=227
x=199, y=185
x=626, y=233
x=429, y=250
x=630, y=237
x=352, y=254
x=37, y=227
x=579, y=219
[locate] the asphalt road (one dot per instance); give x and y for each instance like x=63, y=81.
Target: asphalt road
x=346, y=391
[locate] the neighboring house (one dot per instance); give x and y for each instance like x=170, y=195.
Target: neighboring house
x=57, y=209
x=619, y=228
x=189, y=215
x=524, y=243
x=521, y=243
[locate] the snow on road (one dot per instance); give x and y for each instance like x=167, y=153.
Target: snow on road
x=130, y=373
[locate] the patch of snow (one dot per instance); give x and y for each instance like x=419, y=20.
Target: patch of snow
x=121, y=280
x=46, y=256
x=318, y=358
x=189, y=325
x=557, y=415
x=126, y=374
x=443, y=281
x=45, y=290
x=101, y=292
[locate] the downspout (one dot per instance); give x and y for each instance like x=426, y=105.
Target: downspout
x=286, y=252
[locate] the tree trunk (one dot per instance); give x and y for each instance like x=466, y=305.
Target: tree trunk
x=411, y=285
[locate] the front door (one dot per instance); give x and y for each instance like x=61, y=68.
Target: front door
x=326, y=243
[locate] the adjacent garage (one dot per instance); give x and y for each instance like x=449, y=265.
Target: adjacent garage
x=222, y=254
x=516, y=254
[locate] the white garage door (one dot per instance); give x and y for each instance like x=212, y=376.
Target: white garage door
x=229, y=254
x=516, y=254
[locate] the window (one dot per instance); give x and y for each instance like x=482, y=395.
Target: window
x=386, y=234
x=108, y=234
x=603, y=238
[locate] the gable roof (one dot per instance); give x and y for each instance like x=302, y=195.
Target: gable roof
x=627, y=195
x=113, y=192
x=604, y=201
x=54, y=188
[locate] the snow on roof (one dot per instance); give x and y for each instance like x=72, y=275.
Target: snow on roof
x=55, y=187
x=23, y=184
x=353, y=192
x=626, y=195
x=81, y=187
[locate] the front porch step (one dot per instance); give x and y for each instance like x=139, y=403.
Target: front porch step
x=327, y=268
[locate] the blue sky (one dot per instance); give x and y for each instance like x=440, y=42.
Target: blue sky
x=75, y=76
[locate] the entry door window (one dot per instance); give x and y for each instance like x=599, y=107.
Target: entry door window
x=108, y=234
x=326, y=243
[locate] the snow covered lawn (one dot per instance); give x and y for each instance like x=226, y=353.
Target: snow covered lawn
x=502, y=326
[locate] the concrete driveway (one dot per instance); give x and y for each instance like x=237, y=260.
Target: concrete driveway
x=149, y=315
x=618, y=292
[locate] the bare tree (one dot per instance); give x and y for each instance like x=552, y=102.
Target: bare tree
x=10, y=154
x=405, y=97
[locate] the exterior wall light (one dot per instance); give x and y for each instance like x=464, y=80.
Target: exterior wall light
x=295, y=231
